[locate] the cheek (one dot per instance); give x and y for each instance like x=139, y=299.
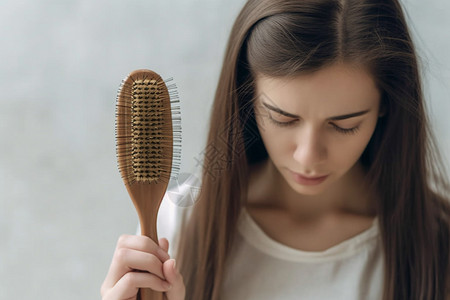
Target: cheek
x=348, y=153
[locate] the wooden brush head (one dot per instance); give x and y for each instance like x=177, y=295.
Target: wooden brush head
x=144, y=132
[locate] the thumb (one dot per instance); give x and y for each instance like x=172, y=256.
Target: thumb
x=178, y=291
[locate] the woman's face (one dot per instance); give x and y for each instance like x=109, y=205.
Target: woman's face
x=316, y=126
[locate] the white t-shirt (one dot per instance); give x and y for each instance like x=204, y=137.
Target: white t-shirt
x=261, y=268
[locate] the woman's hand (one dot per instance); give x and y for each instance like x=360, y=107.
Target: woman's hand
x=138, y=262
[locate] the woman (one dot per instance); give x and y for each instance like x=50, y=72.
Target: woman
x=320, y=158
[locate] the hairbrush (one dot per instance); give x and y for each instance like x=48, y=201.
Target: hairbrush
x=148, y=145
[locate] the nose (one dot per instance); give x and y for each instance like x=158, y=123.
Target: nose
x=310, y=150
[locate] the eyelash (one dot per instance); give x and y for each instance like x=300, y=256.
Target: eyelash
x=337, y=128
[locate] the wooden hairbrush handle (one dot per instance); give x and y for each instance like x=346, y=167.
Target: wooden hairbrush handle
x=149, y=294
x=147, y=199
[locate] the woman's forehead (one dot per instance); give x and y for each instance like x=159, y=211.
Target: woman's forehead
x=336, y=87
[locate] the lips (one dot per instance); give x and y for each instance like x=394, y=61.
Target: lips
x=308, y=177
x=307, y=180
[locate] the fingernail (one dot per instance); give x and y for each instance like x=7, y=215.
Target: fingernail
x=174, y=264
x=167, y=285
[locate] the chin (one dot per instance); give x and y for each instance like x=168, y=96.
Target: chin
x=307, y=190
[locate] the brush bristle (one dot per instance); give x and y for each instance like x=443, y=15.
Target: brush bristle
x=148, y=131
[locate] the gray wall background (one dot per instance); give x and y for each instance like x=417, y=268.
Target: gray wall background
x=62, y=201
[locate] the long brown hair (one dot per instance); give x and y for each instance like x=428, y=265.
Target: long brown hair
x=292, y=37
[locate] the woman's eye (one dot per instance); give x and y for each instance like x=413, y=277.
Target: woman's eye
x=352, y=130
x=281, y=120
x=282, y=123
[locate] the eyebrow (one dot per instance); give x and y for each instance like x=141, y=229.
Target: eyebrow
x=334, y=118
